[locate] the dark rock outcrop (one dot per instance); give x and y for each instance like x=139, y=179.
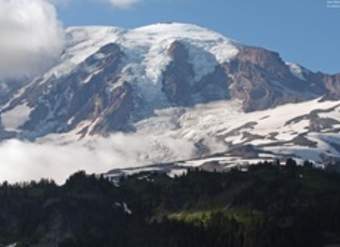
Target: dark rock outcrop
x=262, y=80
x=332, y=84
x=178, y=75
x=179, y=82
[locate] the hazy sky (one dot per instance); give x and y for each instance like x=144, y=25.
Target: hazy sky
x=303, y=31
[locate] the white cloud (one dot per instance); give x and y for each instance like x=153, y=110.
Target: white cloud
x=123, y=3
x=24, y=161
x=31, y=37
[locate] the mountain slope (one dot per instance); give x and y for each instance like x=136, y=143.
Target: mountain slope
x=221, y=136
x=177, y=81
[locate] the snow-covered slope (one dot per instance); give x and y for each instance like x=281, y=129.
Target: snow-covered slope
x=189, y=91
x=145, y=48
x=150, y=43
x=221, y=136
x=306, y=131
x=133, y=63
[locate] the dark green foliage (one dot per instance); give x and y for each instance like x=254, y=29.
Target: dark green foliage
x=270, y=205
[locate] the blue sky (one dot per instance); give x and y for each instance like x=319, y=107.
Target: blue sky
x=302, y=31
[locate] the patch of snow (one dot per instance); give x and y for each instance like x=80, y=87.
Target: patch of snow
x=177, y=172
x=16, y=117
x=200, y=162
x=124, y=206
x=126, y=209
x=304, y=153
x=332, y=114
x=91, y=75
x=297, y=70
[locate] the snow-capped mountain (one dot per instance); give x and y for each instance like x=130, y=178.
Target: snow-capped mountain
x=178, y=81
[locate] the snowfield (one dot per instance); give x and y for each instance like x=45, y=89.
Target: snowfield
x=173, y=134
x=146, y=48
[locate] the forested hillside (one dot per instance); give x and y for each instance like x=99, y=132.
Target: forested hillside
x=268, y=205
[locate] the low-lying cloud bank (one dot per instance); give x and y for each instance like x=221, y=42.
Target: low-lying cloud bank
x=25, y=161
x=31, y=37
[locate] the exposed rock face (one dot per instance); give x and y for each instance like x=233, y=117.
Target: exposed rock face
x=179, y=82
x=262, y=80
x=9, y=87
x=178, y=76
x=93, y=93
x=332, y=84
x=114, y=114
